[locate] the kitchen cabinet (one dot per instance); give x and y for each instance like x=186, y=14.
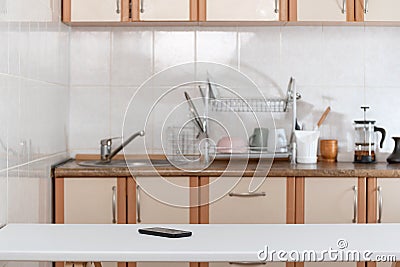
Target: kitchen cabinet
x=321, y=10
x=332, y=200
x=239, y=10
x=265, y=205
x=92, y=10
x=94, y=201
x=383, y=199
x=378, y=10
x=150, y=210
x=171, y=10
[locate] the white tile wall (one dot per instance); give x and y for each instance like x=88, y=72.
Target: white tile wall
x=344, y=67
x=34, y=81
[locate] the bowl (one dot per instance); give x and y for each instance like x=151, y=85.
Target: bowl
x=229, y=144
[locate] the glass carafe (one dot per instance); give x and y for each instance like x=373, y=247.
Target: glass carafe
x=365, y=140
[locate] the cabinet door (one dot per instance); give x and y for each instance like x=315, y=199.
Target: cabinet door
x=168, y=10
x=152, y=211
x=389, y=194
x=321, y=10
x=237, y=10
x=329, y=200
x=266, y=205
x=91, y=201
x=380, y=10
x=95, y=10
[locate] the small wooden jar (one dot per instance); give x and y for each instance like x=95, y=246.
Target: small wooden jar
x=328, y=149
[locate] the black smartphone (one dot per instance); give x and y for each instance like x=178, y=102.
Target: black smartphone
x=165, y=232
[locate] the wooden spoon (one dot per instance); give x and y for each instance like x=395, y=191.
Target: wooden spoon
x=323, y=117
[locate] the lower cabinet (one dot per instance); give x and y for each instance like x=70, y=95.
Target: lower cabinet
x=265, y=205
x=151, y=209
x=331, y=200
x=94, y=201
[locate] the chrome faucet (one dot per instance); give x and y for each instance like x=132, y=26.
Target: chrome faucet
x=106, y=145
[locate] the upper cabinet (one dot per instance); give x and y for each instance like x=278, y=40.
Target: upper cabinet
x=239, y=10
x=92, y=10
x=378, y=10
x=321, y=10
x=170, y=10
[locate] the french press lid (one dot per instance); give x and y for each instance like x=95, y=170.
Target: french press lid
x=365, y=121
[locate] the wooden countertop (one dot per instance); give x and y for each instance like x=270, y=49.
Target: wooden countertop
x=278, y=169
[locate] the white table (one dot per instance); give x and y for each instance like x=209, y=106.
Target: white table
x=209, y=243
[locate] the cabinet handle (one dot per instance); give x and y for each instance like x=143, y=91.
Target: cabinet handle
x=138, y=219
x=276, y=10
x=141, y=6
x=380, y=204
x=118, y=10
x=344, y=7
x=114, y=204
x=355, y=202
x=261, y=194
x=247, y=263
x=366, y=6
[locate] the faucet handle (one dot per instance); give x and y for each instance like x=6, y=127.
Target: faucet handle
x=105, y=147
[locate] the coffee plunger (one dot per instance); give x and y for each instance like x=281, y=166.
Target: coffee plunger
x=365, y=139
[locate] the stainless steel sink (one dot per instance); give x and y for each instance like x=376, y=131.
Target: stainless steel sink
x=128, y=163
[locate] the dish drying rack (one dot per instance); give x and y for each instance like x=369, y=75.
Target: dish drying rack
x=256, y=104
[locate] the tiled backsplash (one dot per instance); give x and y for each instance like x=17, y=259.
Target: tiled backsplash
x=34, y=80
x=341, y=67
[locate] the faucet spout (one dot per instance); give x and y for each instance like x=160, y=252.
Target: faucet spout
x=124, y=144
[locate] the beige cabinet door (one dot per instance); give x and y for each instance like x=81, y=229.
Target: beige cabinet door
x=321, y=10
x=90, y=201
x=95, y=10
x=381, y=10
x=167, y=10
x=329, y=200
x=388, y=193
x=265, y=205
x=153, y=211
x=239, y=10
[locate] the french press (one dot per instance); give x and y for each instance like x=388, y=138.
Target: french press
x=365, y=139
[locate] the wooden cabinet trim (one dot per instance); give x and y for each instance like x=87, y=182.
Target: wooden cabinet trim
x=350, y=13
x=121, y=200
x=372, y=184
x=194, y=12
x=299, y=199
x=202, y=10
x=204, y=197
x=292, y=10
x=291, y=200
x=362, y=204
x=66, y=11
x=194, y=200
x=283, y=10
x=359, y=10
x=59, y=200
x=131, y=199
x=125, y=10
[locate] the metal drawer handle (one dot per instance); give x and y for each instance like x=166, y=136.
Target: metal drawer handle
x=141, y=6
x=344, y=7
x=380, y=204
x=261, y=194
x=118, y=9
x=247, y=263
x=138, y=218
x=366, y=6
x=355, y=202
x=276, y=10
x=114, y=204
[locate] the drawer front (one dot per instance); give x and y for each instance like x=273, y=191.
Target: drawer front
x=389, y=190
x=235, y=208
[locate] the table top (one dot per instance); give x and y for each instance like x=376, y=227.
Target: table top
x=209, y=243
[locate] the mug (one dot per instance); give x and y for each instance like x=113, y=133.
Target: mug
x=259, y=139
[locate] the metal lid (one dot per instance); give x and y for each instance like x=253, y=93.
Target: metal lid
x=364, y=122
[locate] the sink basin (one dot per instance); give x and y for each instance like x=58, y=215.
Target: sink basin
x=128, y=163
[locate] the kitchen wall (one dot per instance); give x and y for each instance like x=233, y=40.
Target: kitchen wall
x=34, y=77
x=341, y=67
